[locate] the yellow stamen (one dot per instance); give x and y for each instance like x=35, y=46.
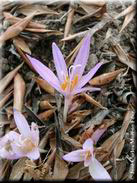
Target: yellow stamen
x=74, y=82
x=64, y=85
x=88, y=155
x=69, y=84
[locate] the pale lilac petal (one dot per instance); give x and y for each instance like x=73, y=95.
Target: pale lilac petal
x=97, y=134
x=88, y=76
x=80, y=90
x=82, y=57
x=97, y=171
x=34, y=133
x=10, y=136
x=21, y=123
x=17, y=147
x=74, y=156
x=33, y=155
x=59, y=62
x=88, y=145
x=45, y=73
x=6, y=149
x=8, y=154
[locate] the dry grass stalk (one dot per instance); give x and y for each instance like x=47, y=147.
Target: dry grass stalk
x=7, y=79
x=19, y=92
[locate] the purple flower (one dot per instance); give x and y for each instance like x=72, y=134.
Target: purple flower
x=14, y=145
x=69, y=82
x=96, y=170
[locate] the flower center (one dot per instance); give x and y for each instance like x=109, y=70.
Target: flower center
x=28, y=145
x=88, y=155
x=69, y=84
x=8, y=146
x=71, y=80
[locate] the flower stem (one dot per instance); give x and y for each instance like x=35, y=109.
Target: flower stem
x=66, y=107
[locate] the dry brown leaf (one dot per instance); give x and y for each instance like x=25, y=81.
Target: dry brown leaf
x=12, y=19
x=45, y=85
x=119, y=147
x=69, y=21
x=121, y=165
x=7, y=79
x=9, y=113
x=76, y=103
x=72, y=141
x=75, y=171
x=92, y=9
x=44, y=139
x=105, y=78
x=46, y=166
x=14, y=30
x=88, y=133
x=81, y=114
x=95, y=3
x=60, y=169
x=51, y=32
x=123, y=57
x=39, y=9
x=24, y=57
x=4, y=168
x=46, y=114
x=117, y=139
x=127, y=120
x=97, y=118
x=90, y=14
x=19, y=42
x=19, y=92
x=126, y=11
x=74, y=125
x=45, y=105
x=127, y=20
x=73, y=54
x=92, y=101
x=27, y=177
x=105, y=19
x=18, y=169
x=5, y=98
x=107, y=147
x=134, y=75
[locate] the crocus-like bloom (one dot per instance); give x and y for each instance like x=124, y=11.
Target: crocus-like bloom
x=69, y=82
x=14, y=145
x=96, y=170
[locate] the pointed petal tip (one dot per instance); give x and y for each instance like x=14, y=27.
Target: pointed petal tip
x=53, y=44
x=74, y=156
x=98, y=172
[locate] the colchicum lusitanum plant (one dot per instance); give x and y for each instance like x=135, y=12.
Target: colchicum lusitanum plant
x=86, y=154
x=68, y=82
x=24, y=144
